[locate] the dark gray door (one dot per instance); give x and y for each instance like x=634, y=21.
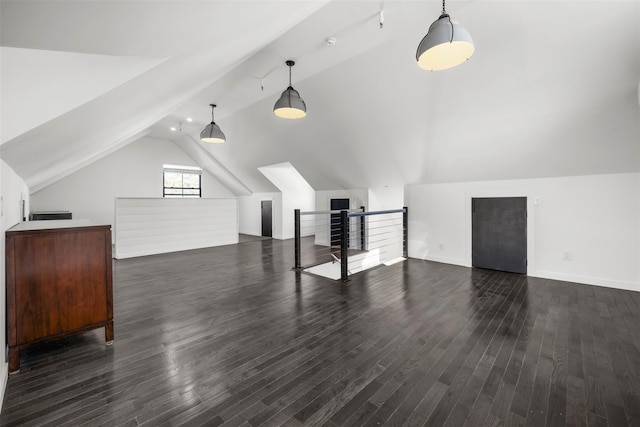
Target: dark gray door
x=265, y=206
x=337, y=204
x=499, y=233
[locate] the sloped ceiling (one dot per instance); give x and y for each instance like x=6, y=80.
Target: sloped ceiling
x=202, y=40
x=45, y=84
x=550, y=91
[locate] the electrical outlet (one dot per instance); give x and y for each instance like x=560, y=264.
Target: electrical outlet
x=566, y=256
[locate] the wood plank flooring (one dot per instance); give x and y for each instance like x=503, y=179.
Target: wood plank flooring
x=231, y=336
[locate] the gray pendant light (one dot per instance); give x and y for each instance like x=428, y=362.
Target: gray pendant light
x=212, y=132
x=446, y=44
x=290, y=105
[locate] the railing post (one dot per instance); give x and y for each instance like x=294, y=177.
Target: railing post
x=405, y=233
x=344, y=241
x=296, y=222
x=362, y=248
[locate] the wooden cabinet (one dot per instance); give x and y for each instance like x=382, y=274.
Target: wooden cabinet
x=59, y=282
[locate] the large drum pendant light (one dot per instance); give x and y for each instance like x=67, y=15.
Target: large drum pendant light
x=290, y=105
x=212, y=132
x=446, y=44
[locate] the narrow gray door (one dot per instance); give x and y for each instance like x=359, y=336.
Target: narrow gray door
x=499, y=233
x=266, y=218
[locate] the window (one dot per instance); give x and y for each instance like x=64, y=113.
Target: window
x=181, y=181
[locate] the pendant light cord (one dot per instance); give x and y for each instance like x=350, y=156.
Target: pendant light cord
x=290, y=76
x=445, y=14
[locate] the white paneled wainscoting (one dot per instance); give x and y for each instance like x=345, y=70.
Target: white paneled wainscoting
x=147, y=226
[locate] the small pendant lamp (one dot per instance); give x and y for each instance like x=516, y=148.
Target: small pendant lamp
x=212, y=132
x=290, y=105
x=446, y=44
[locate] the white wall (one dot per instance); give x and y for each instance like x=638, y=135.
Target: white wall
x=250, y=213
x=291, y=202
x=13, y=191
x=357, y=198
x=296, y=194
x=386, y=198
x=133, y=171
x=596, y=218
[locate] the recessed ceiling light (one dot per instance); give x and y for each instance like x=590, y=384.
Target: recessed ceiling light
x=189, y=119
x=173, y=129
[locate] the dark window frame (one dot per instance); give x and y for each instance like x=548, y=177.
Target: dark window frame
x=182, y=189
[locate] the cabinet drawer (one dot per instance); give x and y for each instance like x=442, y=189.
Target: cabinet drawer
x=64, y=287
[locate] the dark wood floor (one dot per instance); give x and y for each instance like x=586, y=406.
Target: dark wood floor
x=231, y=336
x=244, y=238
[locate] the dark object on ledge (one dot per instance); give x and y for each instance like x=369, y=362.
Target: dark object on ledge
x=59, y=282
x=46, y=215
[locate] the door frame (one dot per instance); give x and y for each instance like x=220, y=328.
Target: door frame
x=531, y=205
x=332, y=216
x=266, y=200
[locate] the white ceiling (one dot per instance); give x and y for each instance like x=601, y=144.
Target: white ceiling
x=552, y=89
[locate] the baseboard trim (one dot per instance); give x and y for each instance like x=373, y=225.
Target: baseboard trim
x=4, y=377
x=587, y=280
x=544, y=274
x=446, y=260
x=280, y=237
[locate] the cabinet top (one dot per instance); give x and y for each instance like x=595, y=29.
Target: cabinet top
x=55, y=225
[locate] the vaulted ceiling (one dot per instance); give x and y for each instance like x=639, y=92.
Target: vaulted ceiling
x=552, y=89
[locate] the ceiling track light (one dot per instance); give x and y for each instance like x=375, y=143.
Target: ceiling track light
x=446, y=44
x=290, y=105
x=212, y=132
